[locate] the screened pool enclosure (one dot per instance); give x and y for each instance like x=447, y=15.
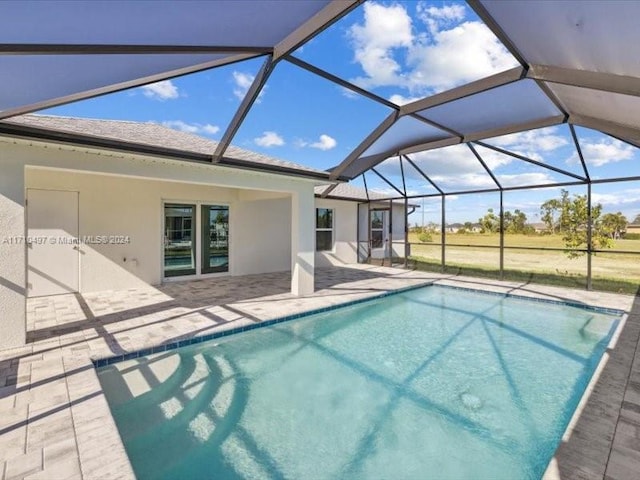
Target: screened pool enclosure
x=555, y=108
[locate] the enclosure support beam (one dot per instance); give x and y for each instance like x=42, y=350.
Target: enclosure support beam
x=404, y=182
x=331, y=13
x=501, y=235
x=623, y=132
x=406, y=232
x=247, y=102
x=426, y=177
x=366, y=189
x=497, y=30
x=443, y=234
x=364, y=145
x=387, y=182
x=579, y=150
x=484, y=165
x=358, y=232
x=589, y=236
x=390, y=235
x=110, y=49
x=472, y=88
x=606, y=82
x=531, y=161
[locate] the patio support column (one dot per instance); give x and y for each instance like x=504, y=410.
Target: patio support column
x=303, y=230
x=12, y=255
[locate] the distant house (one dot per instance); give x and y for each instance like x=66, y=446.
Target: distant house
x=539, y=227
x=633, y=228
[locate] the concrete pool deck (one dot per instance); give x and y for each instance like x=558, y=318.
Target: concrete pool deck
x=55, y=422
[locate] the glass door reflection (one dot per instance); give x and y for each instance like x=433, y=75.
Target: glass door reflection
x=179, y=240
x=215, y=238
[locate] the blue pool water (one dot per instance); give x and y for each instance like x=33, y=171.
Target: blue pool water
x=430, y=383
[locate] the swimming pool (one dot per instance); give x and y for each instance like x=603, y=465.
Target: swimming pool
x=430, y=383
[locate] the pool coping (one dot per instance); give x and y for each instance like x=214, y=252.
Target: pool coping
x=164, y=347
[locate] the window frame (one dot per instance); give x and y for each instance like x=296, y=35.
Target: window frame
x=196, y=231
x=325, y=229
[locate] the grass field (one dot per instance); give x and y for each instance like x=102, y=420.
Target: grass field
x=610, y=271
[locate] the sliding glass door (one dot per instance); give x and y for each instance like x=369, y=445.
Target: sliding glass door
x=179, y=240
x=183, y=223
x=215, y=238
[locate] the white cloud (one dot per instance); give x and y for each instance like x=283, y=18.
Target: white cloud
x=350, y=94
x=269, y=139
x=436, y=18
x=456, y=167
x=243, y=82
x=196, y=128
x=387, y=192
x=384, y=29
x=439, y=52
x=622, y=198
x=164, y=90
x=461, y=54
x=601, y=152
x=325, y=143
x=525, y=179
x=466, y=181
x=533, y=143
x=457, y=160
x=401, y=99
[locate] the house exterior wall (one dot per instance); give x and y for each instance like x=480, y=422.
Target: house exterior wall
x=345, y=227
x=12, y=254
x=260, y=230
x=122, y=194
x=633, y=228
x=398, y=222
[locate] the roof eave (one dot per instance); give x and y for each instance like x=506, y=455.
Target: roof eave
x=56, y=136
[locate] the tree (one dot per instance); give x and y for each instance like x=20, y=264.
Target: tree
x=551, y=212
x=637, y=219
x=569, y=216
x=425, y=237
x=614, y=224
x=490, y=223
x=515, y=222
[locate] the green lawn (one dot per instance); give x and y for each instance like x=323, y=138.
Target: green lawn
x=518, y=240
x=610, y=271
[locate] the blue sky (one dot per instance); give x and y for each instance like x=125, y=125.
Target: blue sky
x=401, y=51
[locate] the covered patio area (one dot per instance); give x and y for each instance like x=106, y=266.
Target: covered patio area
x=55, y=421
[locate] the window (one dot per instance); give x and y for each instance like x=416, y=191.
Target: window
x=324, y=229
x=377, y=228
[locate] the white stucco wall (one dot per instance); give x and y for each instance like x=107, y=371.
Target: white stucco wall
x=261, y=237
x=344, y=232
x=260, y=230
x=398, y=221
x=122, y=194
x=12, y=254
